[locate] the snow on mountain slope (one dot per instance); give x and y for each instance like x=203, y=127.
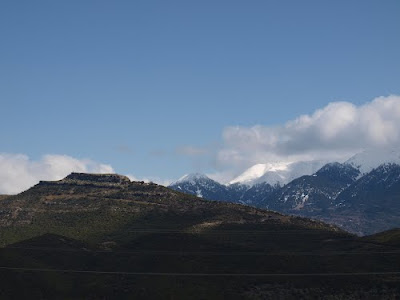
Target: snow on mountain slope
x=368, y=160
x=257, y=171
x=201, y=186
x=278, y=173
x=204, y=187
x=371, y=203
x=191, y=178
x=311, y=195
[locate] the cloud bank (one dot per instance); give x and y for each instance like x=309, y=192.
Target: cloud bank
x=334, y=132
x=18, y=172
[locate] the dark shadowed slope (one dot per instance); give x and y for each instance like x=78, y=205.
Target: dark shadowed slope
x=389, y=237
x=372, y=203
x=313, y=195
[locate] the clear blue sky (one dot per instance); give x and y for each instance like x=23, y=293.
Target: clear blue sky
x=129, y=82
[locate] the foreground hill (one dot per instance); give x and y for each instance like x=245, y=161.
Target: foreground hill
x=389, y=237
x=101, y=236
x=97, y=208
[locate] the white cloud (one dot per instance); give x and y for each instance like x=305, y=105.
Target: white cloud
x=18, y=172
x=334, y=132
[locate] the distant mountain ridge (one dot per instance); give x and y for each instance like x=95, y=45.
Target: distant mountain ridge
x=313, y=194
x=201, y=186
x=372, y=202
x=351, y=194
x=204, y=187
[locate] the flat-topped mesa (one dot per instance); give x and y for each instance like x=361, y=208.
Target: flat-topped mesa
x=101, y=180
x=98, y=178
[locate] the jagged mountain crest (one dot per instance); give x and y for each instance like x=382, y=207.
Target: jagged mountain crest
x=343, y=173
x=312, y=194
x=372, y=203
x=202, y=186
x=284, y=172
x=384, y=179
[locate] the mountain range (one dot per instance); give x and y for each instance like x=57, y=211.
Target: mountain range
x=362, y=194
x=102, y=236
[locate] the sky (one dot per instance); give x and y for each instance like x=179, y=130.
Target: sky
x=158, y=89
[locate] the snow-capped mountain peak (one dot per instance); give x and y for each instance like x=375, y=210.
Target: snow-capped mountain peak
x=258, y=170
x=201, y=186
x=192, y=178
x=368, y=160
